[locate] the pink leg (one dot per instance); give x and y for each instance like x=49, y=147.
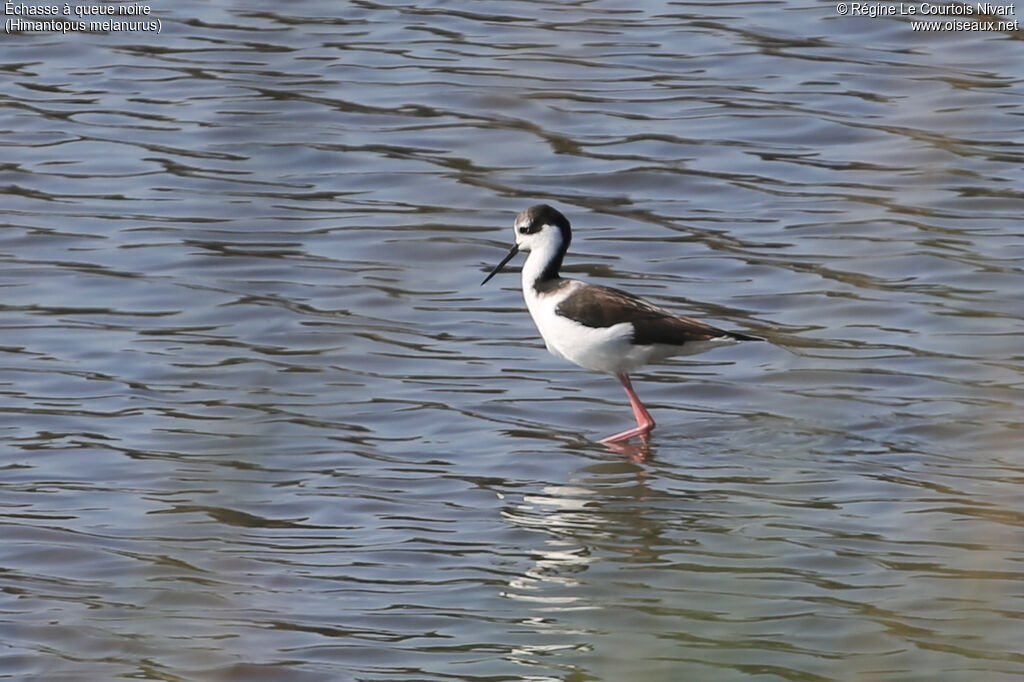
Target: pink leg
x=644, y=421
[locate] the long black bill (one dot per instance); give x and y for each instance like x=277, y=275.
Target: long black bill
x=499, y=266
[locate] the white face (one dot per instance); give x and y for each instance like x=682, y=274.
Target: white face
x=532, y=236
x=535, y=232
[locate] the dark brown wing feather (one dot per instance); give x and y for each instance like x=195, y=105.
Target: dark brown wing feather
x=598, y=306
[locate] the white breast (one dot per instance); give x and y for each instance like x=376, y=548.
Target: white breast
x=600, y=349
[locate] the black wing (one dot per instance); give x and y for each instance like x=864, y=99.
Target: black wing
x=598, y=306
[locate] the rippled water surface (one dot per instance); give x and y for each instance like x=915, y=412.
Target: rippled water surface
x=260, y=421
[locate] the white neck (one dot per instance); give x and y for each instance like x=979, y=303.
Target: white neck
x=539, y=258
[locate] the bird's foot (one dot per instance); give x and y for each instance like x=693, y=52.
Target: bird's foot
x=639, y=453
x=642, y=430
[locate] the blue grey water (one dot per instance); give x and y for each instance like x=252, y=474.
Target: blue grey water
x=260, y=421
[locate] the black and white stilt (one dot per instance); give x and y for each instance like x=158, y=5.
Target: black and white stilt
x=597, y=327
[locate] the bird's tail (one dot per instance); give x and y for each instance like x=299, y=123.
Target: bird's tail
x=743, y=337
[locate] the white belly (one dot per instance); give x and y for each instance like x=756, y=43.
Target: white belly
x=599, y=349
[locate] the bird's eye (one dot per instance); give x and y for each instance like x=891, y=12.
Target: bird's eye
x=531, y=228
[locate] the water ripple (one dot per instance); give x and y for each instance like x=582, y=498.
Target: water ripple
x=261, y=422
